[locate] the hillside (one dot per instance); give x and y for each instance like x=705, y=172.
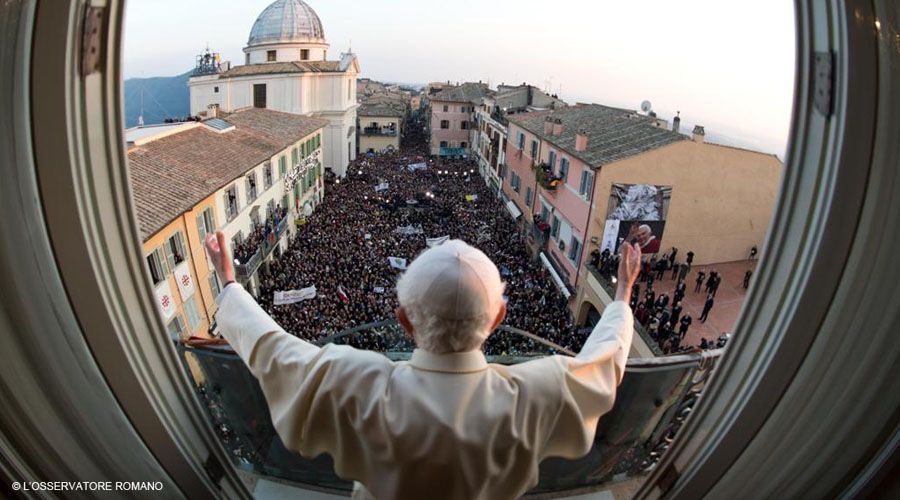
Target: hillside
x=163, y=97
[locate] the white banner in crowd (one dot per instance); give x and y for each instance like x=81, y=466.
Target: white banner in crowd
x=433, y=242
x=409, y=230
x=292, y=296
x=397, y=262
x=379, y=289
x=164, y=299
x=412, y=167
x=184, y=280
x=384, y=186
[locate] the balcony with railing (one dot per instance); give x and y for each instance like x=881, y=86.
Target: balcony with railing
x=380, y=131
x=546, y=178
x=606, y=279
x=655, y=398
x=258, y=245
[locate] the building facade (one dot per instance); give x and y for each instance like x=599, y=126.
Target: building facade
x=489, y=140
x=380, y=128
x=564, y=164
x=452, y=120
x=253, y=175
x=286, y=69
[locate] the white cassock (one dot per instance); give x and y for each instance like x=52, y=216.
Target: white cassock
x=438, y=425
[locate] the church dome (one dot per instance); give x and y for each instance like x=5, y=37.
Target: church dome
x=287, y=21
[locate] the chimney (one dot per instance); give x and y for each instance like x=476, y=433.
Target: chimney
x=699, y=133
x=548, y=126
x=212, y=111
x=557, y=126
x=581, y=140
x=676, y=122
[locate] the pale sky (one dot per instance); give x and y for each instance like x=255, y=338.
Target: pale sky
x=725, y=64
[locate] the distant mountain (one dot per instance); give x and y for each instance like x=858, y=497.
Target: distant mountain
x=163, y=97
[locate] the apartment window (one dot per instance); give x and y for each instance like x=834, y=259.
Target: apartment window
x=175, y=250
x=270, y=55
x=464, y=125
x=445, y=124
x=285, y=201
x=251, y=187
x=528, y=197
x=267, y=175
x=534, y=150
x=551, y=160
x=157, y=265
x=176, y=327
x=587, y=183
x=464, y=144
x=214, y=285
x=574, y=250
x=304, y=54
x=216, y=89
x=259, y=95
x=554, y=228
x=521, y=141
x=443, y=144
x=516, y=182
x=295, y=159
x=446, y=108
x=564, y=169
x=190, y=308
x=232, y=206
x=205, y=223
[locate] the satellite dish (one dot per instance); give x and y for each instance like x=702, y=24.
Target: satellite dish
x=646, y=107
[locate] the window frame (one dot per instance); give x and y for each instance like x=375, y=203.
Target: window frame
x=829, y=168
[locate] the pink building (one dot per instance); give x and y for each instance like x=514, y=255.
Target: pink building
x=453, y=117
x=553, y=157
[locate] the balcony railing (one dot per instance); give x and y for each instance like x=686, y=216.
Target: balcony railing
x=655, y=398
x=610, y=288
x=245, y=270
x=380, y=131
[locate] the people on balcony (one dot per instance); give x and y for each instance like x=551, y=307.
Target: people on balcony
x=261, y=232
x=445, y=424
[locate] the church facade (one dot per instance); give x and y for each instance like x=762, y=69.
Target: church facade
x=287, y=69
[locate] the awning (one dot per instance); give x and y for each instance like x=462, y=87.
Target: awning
x=556, y=279
x=513, y=209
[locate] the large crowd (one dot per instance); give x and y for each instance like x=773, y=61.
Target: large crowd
x=343, y=247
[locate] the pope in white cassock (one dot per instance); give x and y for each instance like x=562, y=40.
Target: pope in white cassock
x=445, y=424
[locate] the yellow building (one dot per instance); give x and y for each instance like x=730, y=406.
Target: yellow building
x=232, y=174
x=379, y=127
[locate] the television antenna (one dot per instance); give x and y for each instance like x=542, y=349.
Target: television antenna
x=646, y=106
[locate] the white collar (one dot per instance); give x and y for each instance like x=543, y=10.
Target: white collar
x=456, y=362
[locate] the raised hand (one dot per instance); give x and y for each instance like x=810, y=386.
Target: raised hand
x=217, y=249
x=629, y=267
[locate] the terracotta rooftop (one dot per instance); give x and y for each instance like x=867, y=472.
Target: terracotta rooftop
x=613, y=134
x=275, y=68
x=378, y=109
x=467, y=92
x=172, y=174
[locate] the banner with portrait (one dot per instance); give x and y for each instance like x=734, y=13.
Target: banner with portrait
x=637, y=211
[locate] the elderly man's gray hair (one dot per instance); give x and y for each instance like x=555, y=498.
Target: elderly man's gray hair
x=451, y=295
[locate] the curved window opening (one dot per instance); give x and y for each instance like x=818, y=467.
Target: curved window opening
x=694, y=175
x=571, y=280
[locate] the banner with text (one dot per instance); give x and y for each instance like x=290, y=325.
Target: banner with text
x=292, y=296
